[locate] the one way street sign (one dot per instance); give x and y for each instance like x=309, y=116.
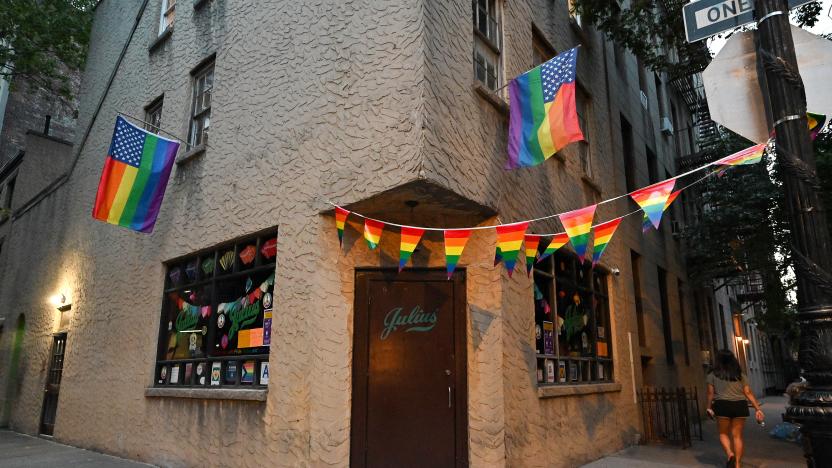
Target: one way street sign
x=705, y=18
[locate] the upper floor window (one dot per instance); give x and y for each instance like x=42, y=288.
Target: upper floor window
x=153, y=116
x=572, y=13
x=542, y=51
x=487, y=67
x=203, y=86
x=572, y=322
x=166, y=15
x=216, y=321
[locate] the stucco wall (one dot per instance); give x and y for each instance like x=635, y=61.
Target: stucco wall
x=316, y=101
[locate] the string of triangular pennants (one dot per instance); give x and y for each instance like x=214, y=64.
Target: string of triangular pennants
x=652, y=200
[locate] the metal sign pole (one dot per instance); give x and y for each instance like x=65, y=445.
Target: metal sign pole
x=811, y=245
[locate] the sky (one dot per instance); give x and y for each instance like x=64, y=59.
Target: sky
x=823, y=26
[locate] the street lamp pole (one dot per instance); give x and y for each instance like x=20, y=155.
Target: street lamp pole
x=811, y=246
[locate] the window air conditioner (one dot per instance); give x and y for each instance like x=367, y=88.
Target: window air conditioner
x=666, y=126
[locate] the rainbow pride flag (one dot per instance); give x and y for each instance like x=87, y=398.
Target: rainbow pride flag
x=558, y=241
x=135, y=175
x=531, y=241
x=652, y=199
x=646, y=224
x=509, y=240
x=603, y=234
x=410, y=239
x=455, y=240
x=372, y=232
x=340, y=220
x=543, y=118
x=750, y=155
x=578, y=224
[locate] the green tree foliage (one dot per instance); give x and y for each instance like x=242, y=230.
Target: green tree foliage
x=41, y=39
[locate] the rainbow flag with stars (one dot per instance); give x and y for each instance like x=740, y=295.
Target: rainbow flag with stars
x=509, y=240
x=410, y=239
x=578, y=224
x=455, y=240
x=603, y=234
x=543, y=118
x=135, y=175
x=653, y=199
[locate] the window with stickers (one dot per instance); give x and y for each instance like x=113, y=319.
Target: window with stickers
x=215, y=329
x=572, y=332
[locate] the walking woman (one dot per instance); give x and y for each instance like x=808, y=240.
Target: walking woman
x=727, y=394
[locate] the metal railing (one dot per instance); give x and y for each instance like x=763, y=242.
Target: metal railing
x=670, y=415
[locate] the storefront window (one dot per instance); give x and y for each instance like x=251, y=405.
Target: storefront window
x=217, y=314
x=572, y=332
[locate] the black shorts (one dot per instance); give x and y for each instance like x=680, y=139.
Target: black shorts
x=730, y=409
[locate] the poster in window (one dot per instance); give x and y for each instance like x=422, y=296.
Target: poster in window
x=174, y=374
x=602, y=333
x=561, y=371
x=163, y=374
x=539, y=371
x=200, y=373
x=548, y=337
x=573, y=371
x=216, y=373
x=189, y=369
x=247, y=372
x=602, y=349
x=600, y=371
x=231, y=372
x=550, y=371
x=264, y=373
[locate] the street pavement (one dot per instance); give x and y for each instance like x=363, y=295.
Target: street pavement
x=23, y=451
x=761, y=450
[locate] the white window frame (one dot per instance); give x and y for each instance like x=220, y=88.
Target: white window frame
x=166, y=15
x=487, y=56
x=201, y=101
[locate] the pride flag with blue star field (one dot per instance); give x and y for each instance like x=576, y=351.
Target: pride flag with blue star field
x=135, y=175
x=543, y=117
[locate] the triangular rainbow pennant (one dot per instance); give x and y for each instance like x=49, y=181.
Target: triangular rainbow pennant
x=603, y=234
x=531, y=241
x=652, y=199
x=340, y=219
x=410, y=239
x=578, y=224
x=498, y=256
x=455, y=240
x=558, y=241
x=646, y=224
x=750, y=155
x=509, y=240
x=816, y=123
x=372, y=232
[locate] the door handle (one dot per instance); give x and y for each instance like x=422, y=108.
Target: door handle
x=449, y=396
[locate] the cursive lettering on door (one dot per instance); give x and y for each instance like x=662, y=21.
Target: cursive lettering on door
x=418, y=320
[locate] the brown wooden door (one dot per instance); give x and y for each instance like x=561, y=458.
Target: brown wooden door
x=409, y=371
x=53, y=385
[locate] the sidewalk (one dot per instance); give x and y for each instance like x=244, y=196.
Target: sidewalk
x=761, y=450
x=23, y=451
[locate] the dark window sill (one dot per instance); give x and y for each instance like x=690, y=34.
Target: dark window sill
x=192, y=153
x=161, y=39
x=555, y=391
x=199, y=4
x=493, y=98
x=253, y=394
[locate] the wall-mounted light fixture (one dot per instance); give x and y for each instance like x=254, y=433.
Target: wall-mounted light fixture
x=60, y=302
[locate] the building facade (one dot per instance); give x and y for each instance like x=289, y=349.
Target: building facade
x=240, y=330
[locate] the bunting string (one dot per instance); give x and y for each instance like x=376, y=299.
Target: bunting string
x=730, y=160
